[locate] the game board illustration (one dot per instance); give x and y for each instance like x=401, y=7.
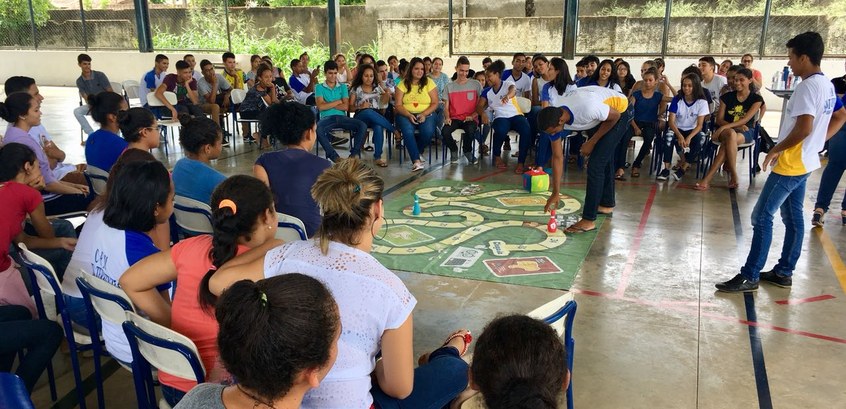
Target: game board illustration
x=482, y=231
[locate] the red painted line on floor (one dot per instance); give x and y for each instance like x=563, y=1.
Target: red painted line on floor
x=695, y=311
x=805, y=300
x=483, y=177
x=627, y=270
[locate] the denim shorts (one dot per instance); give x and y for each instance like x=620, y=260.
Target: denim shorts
x=749, y=135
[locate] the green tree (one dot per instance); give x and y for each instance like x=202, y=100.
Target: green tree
x=14, y=14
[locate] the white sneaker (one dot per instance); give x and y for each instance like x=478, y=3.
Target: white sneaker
x=417, y=166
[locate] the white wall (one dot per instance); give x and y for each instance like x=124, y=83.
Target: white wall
x=59, y=68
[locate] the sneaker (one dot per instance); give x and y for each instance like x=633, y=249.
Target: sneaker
x=663, y=175
x=677, y=174
x=470, y=158
x=337, y=141
x=417, y=166
x=225, y=142
x=737, y=284
x=453, y=156
x=776, y=279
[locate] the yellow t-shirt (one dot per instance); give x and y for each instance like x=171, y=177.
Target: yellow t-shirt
x=238, y=80
x=417, y=100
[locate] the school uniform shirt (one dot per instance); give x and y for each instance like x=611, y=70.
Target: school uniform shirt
x=114, y=252
x=714, y=87
x=615, y=87
x=589, y=106
x=462, y=98
x=541, y=82
x=149, y=82
x=813, y=96
x=507, y=109
x=550, y=94
x=524, y=84
x=299, y=84
x=735, y=110
x=687, y=114
x=83, y=254
x=16, y=202
x=417, y=100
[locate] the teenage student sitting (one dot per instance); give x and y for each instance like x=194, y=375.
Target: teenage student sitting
x=367, y=96
x=185, y=87
x=151, y=80
x=89, y=83
x=462, y=96
x=688, y=111
x=193, y=176
x=416, y=99
x=603, y=76
x=258, y=98
x=649, y=108
x=105, y=145
x=214, y=92
x=500, y=96
x=332, y=99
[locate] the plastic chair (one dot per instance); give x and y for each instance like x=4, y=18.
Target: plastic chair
x=131, y=92
x=192, y=216
x=116, y=87
x=165, y=122
x=237, y=96
x=154, y=346
x=567, y=312
x=44, y=281
x=98, y=178
x=290, y=228
x=13, y=393
x=752, y=147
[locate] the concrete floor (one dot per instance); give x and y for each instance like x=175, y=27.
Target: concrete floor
x=651, y=331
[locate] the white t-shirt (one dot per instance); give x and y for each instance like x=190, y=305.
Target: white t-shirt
x=686, y=114
x=524, y=84
x=113, y=252
x=83, y=254
x=550, y=94
x=371, y=299
x=502, y=110
x=714, y=87
x=541, y=83
x=588, y=106
x=813, y=96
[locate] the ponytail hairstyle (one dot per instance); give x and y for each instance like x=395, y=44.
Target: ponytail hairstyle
x=198, y=132
x=287, y=122
x=133, y=120
x=746, y=72
x=563, y=79
x=103, y=104
x=16, y=106
x=274, y=329
x=13, y=158
x=519, y=363
x=128, y=156
x=252, y=200
x=345, y=192
x=409, y=75
x=698, y=93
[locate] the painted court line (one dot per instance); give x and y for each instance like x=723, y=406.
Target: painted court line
x=833, y=257
x=761, y=381
x=627, y=269
x=805, y=300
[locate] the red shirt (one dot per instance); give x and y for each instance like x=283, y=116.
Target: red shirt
x=191, y=258
x=16, y=202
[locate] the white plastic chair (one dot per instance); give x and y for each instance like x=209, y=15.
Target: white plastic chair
x=116, y=87
x=525, y=104
x=290, y=228
x=155, y=346
x=237, y=96
x=131, y=91
x=98, y=178
x=192, y=216
x=167, y=122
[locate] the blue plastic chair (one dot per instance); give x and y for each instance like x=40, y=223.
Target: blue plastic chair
x=154, y=346
x=568, y=313
x=99, y=299
x=43, y=278
x=13, y=393
x=192, y=216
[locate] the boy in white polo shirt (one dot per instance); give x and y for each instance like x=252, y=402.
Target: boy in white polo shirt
x=605, y=114
x=803, y=135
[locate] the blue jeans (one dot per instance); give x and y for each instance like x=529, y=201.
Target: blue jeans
x=356, y=127
x=436, y=384
x=833, y=171
x=416, y=144
x=501, y=127
x=374, y=120
x=785, y=193
x=600, y=169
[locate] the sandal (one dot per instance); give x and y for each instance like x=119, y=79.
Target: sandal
x=819, y=218
x=464, y=334
x=701, y=187
x=519, y=169
x=635, y=172
x=500, y=164
x=381, y=163
x=368, y=148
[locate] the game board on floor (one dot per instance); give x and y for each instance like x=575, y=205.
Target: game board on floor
x=483, y=231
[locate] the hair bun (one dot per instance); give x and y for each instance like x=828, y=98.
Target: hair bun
x=123, y=117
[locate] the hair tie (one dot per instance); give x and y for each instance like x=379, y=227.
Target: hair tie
x=357, y=189
x=228, y=203
x=263, y=298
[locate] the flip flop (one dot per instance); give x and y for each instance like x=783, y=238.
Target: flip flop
x=577, y=230
x=701, y=188
x=635, y=173
x=381, y=163
x=733, y=185
x=620, y=177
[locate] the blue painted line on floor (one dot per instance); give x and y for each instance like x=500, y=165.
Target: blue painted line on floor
x=762, y=383
x=408, y=180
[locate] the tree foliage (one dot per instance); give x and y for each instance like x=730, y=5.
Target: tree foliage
x=14, y=14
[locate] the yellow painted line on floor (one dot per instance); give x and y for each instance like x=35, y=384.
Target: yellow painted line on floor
x=833, y=257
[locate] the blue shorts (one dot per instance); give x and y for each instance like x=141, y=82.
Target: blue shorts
x=749, y=135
